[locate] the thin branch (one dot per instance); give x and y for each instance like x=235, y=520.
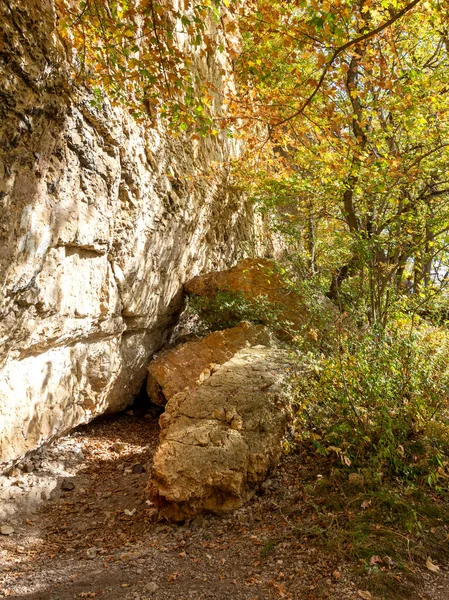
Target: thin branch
x=342, y=49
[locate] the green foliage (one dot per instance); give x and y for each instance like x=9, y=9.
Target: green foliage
x=227, y=309
x=382, y=403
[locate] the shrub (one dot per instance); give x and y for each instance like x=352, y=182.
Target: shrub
x=228, y=309
x=381, y=403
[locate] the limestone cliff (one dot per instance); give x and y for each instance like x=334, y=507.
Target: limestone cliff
x=101, y=222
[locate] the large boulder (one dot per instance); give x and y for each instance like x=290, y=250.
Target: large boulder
x=189, y=364
x=219, y=440
x=276, y=303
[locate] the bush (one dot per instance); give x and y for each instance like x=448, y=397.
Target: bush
x=381, y=403
x=227, y=309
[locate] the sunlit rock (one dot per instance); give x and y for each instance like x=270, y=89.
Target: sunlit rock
x=288, y=311
x=219, y=440
x=189, y=364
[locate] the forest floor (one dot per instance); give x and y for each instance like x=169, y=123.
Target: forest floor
x=97, y=535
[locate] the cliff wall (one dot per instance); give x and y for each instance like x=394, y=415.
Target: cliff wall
x=101, y=222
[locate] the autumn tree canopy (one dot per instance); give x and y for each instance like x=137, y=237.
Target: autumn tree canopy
x=343, y=105
x=355, y=95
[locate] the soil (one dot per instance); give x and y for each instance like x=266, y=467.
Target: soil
x=85, y=528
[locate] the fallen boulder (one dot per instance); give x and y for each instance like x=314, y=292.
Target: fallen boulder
x=189, y=364
x=277, y=304
x=218, y=441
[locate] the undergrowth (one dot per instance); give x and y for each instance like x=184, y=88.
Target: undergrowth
x=386, y=529
x=374, y=415
x=381, y=402
x=227, y=309
x=372, y=422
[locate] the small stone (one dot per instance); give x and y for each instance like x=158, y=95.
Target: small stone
x=198, y=521
x=91, y=553
x=125, y=556
x=67, y=485
x=237, y=423
x=28, y=467
x=151, y=587
x=138, y=469
x=6, y=530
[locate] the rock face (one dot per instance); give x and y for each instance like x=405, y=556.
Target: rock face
x=219, y=441
x=258, y=279
x=189, y=364
x=101, y=222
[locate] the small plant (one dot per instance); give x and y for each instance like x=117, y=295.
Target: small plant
x=228, y=309
x=385, y=529
x=293, y=309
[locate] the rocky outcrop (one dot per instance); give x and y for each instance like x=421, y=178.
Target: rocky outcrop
x=101, y=222
x=275, y=303
x=219, y=441
x=188, y=365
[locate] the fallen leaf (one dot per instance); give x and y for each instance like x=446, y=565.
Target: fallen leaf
x=431, y=566
x=365, y=595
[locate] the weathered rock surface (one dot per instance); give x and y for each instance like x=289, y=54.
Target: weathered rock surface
x=189, y=364
x=219, y=441
x=101, y=222
x=259, y=279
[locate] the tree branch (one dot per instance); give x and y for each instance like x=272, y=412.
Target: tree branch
x=340, y=50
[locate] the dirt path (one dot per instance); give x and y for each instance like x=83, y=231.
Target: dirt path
x=102, y=539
